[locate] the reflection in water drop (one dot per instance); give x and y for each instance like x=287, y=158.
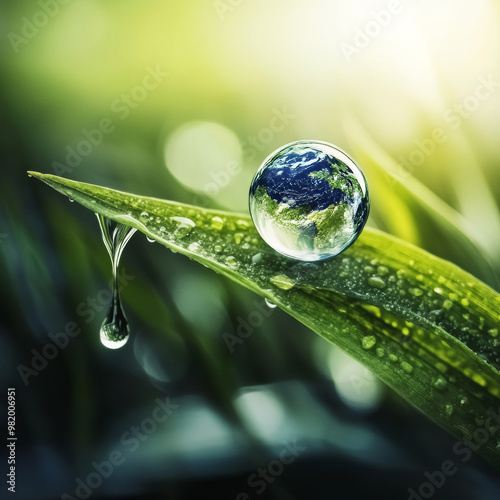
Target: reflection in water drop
x=114, y=329
x=270, y=304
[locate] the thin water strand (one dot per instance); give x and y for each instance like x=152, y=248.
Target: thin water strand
x=115, y=330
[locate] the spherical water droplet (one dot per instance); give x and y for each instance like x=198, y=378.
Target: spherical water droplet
x=270, y=304
x=29, y=175
x=218, y=248
x=447, y=304
x=380, y=351
x=309, y=200
x=231, y=261
x=416, y=292
x=393, y=358
x=71, y=200
x=368, y=342
x=448, y=409
x=151, y=240
x=376, y=282
x=144, y=214
x=406, y=367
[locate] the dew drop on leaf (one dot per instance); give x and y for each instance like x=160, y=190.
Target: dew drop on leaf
x=368, y=342
x=376, y=282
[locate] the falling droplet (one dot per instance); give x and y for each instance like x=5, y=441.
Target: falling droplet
x=114, y=329
x=270, y=304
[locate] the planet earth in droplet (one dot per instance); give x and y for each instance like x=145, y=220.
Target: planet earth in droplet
x=309, y=200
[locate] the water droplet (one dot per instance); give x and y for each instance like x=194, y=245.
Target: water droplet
x=382, y=270
x=447, y=304
x=231, y=261
x=368, y=342
x=237, y=238
x=448, y=409
x=393, y=358
x=406, y=367
x=151, y=240
x=282, y=281
x=184, y=226
x=416, y=292
x=144, y=215
x=376, y=282
x=463, y=400
x=270, y=304
x=257, y=258
x=493, y=332
x=217, y=223
x=71, y=200
x=380, y=351
x=440, y=383
x=114, y=331
x=194, y=247
x=438, y=290
x=242, y=224
x=218, y=248
x=368, y=269
x=465, y=302
x=29, y=175
x=309, y=200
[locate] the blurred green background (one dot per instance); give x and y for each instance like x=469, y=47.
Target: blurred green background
x=183, y=101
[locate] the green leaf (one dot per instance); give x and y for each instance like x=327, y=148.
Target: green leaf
x=427, y=328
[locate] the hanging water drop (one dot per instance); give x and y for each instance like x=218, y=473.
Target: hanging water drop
x=114, y=329
x=270, y=304
x=151, y=240
x=71, y=200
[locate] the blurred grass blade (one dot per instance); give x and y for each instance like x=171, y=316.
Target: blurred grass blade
x=412, y=211
x=424, y=326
